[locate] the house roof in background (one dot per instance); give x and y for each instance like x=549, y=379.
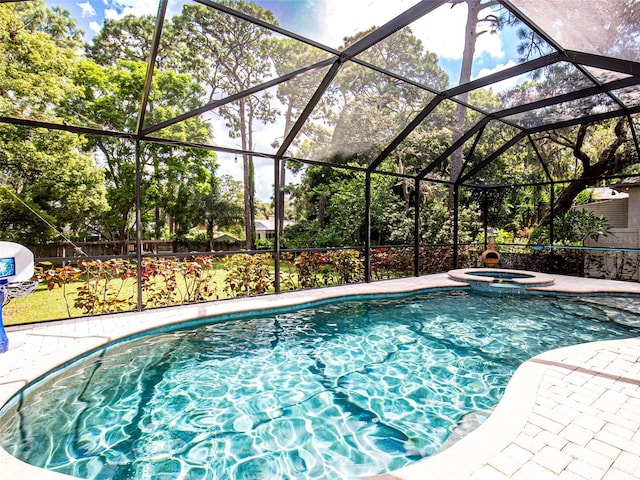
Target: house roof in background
x=607, y=193
x=267, y=225
x=624, y=184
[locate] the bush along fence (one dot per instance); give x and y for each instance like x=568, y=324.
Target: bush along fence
x=104, y=286
x=607, y=263
x=523, y=257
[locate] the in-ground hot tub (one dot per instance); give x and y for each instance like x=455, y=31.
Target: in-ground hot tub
x=497, y=280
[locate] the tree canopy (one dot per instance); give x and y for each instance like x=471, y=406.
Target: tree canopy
x=156, y=111
x=46, y=177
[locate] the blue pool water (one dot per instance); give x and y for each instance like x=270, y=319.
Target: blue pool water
x=340, y=390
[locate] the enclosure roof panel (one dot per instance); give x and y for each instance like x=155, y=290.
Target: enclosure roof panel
x=370, y=79
x=606, y=28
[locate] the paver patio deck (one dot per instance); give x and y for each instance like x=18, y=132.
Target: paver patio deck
x=571, y=413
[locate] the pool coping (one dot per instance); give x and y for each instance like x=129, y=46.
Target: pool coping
x=36, y=349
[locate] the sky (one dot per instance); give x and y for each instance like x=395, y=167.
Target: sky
x=327, y=21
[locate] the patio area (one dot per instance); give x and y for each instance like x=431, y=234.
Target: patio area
x=571, y=413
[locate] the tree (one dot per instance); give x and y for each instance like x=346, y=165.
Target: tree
x=220, y=205
x=177, y=175
x=366, y=108
x=230, y=55
x=111, y=97
x=37, y=50
x=46, y=179
x=335, y=208
x=608, y=151
x=471, y=33
x=44, y=175
x=588, y=151
x=289, y=55
x=573, y=228
x=358, y=116
x=127, y=38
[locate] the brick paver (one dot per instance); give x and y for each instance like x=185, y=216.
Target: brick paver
x=590, y=443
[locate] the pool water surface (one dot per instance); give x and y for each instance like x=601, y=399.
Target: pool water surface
x=340, y=390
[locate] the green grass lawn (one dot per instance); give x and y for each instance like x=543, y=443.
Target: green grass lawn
x=58, y=303
x=40, y=306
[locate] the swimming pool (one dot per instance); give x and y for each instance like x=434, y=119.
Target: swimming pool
x=295, y=395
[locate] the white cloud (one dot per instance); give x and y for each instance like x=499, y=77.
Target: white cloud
x=94, y=27
x=343, y=18
x=87, y=9
x=121, y=9
x=228, y=166
x=111, y=14
x=490, y=43
x=504, y=85
x=231, y=164
x=116, y=9
x=442, y=32
x=263, y=173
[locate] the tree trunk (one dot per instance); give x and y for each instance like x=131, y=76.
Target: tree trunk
x=608, y=164
x=283, y=169
x=210, y=225
x=246, y=178
x=252, y=176
x=406, y=191
x=252, y=203
x=470, y=35
x=123, y=233
x=322, y=206
x=157, y=232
